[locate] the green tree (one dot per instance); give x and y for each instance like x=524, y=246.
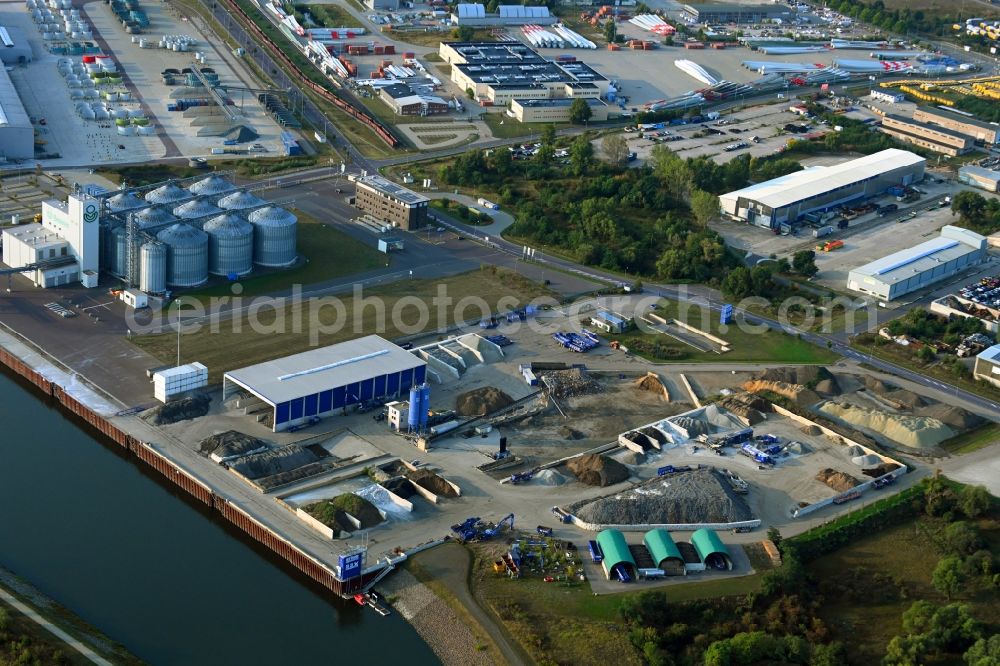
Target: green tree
x=704, y=206
x=581, y=155
x=974, y=500
x=610, y=30
x=579, y=111
x=738, y=283
x=984, y=652
x=804, y=263
x=949, y=576
x=828, y=654
x=672, y=171
x=615, y=149
x=464, y=33
x=962, y=538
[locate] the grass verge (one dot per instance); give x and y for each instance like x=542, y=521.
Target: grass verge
x=329, y=254
x=973, y=440
x=283, y=329
x=146, y=174
x=747, y=346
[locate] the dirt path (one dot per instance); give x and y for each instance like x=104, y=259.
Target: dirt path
x=35, y=617
x=449, y=565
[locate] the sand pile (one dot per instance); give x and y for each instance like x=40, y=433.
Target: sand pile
x=855, y=450
x=876, y=385
x=432, y=482
x=837, y=480
x=868, y=460
x=692, y=497
x=795, y=392
x=480, y=401
x=796, y=447
x=955, y=418
x=897, y=397
x=918, y=432
x=549, y=477
x=191, y=407
x=595, y=470
x=810, y=429
x=651, y=382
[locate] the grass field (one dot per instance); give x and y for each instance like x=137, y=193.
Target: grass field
x=905, y=553
x=289, y=328
x=146, y=174
x=747, y=347
x=329, y=16
x=973, y=440
x=329, y=254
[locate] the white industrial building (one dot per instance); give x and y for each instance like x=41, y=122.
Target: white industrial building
x=474, y=14
x=17, y=135
x=63, y=249
x=786, y=199
x=14, y=46
x=174, y=382
x=320, y=382
x=920, y=266
x=987, y=367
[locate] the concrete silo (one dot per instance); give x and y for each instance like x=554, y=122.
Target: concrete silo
x=275, y=235
x=230, y=245
x=187, y=255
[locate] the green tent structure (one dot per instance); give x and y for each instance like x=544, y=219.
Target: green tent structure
x=618, y=561
x=711, y=550
x=664, y=551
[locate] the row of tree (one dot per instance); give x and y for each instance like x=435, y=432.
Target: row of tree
x=976, y=212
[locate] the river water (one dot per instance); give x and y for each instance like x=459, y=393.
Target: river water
x=152, y=570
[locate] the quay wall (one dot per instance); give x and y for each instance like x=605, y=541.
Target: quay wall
x=260, y=533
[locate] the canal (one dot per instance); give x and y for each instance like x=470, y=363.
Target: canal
x=152, y=570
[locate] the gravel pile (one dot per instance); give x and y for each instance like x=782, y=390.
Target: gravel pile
x=550, y=477
x=229, y=443
x=567, y=383
x=191, y=407
x=699, y=496
x=595, y=470
x=954, y=417
x=273, y=462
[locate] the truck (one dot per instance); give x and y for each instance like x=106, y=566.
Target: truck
x=825, y=230
x=485, y=203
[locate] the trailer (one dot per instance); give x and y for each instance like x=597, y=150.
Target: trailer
x=596, y=554
x=544, y=531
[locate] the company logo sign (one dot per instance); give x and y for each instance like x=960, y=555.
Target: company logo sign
x=90, y=213
x=350, y=565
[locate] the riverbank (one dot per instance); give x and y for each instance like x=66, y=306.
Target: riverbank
x=57, y=635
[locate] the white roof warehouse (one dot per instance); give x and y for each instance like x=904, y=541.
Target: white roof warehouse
x=905, y=271
x=320, y=382
x=784, y=200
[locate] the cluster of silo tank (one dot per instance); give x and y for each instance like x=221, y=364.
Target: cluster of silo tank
x=213, y=229
x=420, y=404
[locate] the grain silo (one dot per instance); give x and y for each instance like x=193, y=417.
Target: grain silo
x=153, y=268
x=274, y=236
x=187, y=255
x=239, y=201
x=230, y=245
x=152, y=217
x=117, y=261
x=124, y=201
x=165, y=194
x=211, y=186
x=195, y=209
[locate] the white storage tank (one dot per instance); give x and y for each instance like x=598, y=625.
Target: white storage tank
x=187, y=255
x=275, y=235
x=239, y=201
x=117, y=261
x=169, y=193
x=212, y=185
x=230, y=245
x=153, y=268
x=194, y=209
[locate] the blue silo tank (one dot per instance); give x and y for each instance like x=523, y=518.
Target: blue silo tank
x=413, y=418
x=425, y=404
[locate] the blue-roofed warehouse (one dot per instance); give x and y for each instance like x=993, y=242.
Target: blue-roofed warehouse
x=321, y=382
x=920, y=266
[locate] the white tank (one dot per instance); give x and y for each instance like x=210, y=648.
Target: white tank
x=275, y=236
x=230, y=245
x=153, y=268
x=187, y=255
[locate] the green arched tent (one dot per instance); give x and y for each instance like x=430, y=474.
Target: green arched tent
x=711, y=550
x=664, y=551
x=618, y=559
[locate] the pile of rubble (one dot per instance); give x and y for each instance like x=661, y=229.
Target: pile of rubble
x=572, y=382
x=190, y=407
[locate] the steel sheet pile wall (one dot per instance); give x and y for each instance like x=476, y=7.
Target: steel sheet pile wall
x=203, y=493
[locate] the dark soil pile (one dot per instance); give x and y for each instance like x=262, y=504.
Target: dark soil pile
x=595, y=470
x=839, y=481
x=955, y=418
x=879, y=470
x=331, y=512
x=432, y=482
x=652, y=383
x=400, y=486
x=273, y=462
x=747, y=405
x=229, y=443
x=570, y=433
x=190, y=407
x=480, y=401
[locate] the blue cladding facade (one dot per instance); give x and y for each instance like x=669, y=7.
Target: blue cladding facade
x=327, y=402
